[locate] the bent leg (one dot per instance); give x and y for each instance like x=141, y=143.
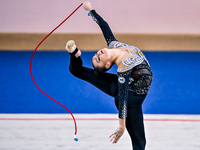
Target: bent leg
x=106, y=82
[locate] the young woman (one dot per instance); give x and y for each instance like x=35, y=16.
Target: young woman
x=129, y=87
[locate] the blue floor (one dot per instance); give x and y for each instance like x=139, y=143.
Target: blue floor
x=175, y=87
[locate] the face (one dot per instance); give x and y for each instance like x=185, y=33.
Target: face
x=101, y=58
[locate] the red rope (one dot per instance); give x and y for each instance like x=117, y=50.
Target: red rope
x=31, y=64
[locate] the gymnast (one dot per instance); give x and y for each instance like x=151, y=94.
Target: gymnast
x=129, y=86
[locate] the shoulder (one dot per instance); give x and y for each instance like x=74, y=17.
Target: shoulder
x=116, y=44
x=112, y=44
x=123, y=69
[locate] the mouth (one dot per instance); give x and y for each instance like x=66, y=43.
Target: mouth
x=100, y=52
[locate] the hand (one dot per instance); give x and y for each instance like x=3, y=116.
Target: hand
x=87, y=6
x=116, y=135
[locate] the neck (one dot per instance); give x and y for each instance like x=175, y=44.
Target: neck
x=117, y=54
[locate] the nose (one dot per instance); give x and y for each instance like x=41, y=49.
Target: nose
x=100, y=52
x=95, y=55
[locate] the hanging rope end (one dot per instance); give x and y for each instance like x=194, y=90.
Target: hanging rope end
x=75, y=139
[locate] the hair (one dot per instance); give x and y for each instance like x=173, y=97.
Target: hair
x=100, y=70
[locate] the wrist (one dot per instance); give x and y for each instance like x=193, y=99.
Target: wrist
x=122, y=127
x=122, y=123
x=78, y=54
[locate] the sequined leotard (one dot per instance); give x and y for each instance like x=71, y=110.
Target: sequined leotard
x=134, y=74
x=129, y=87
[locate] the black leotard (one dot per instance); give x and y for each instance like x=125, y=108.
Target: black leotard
x=129, y=87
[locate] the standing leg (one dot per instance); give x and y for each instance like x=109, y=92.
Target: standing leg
x=135, y=128
x=134, y=120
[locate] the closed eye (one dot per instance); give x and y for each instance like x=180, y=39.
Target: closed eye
x=98, y=59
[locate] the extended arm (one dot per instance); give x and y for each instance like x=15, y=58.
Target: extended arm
x=108, y=35
x=123, y=83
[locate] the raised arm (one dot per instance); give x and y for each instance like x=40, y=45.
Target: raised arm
x=108, y=35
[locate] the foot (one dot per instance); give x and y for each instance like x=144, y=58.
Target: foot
x=87, y=6
x=71, y=47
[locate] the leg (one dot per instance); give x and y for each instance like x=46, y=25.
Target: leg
x=134, y=120
x=135, y=128
x=106, y=82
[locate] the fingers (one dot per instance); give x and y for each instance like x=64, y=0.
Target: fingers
x=112, y=138
x=115, y=137
x=112, y=134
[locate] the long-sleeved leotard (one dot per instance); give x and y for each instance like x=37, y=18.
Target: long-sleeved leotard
x=108, y=35
x=130, y=77
x=129, y=87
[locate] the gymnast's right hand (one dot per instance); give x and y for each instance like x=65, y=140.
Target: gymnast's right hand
x=87, y=6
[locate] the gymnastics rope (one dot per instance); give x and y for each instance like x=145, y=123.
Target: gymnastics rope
x=36, y=83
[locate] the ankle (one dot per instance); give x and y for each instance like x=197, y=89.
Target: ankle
x=78, y=54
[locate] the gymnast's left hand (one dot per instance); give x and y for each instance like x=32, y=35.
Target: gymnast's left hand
x=117, y=134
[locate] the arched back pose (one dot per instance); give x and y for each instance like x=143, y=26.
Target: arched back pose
x=129, y=86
